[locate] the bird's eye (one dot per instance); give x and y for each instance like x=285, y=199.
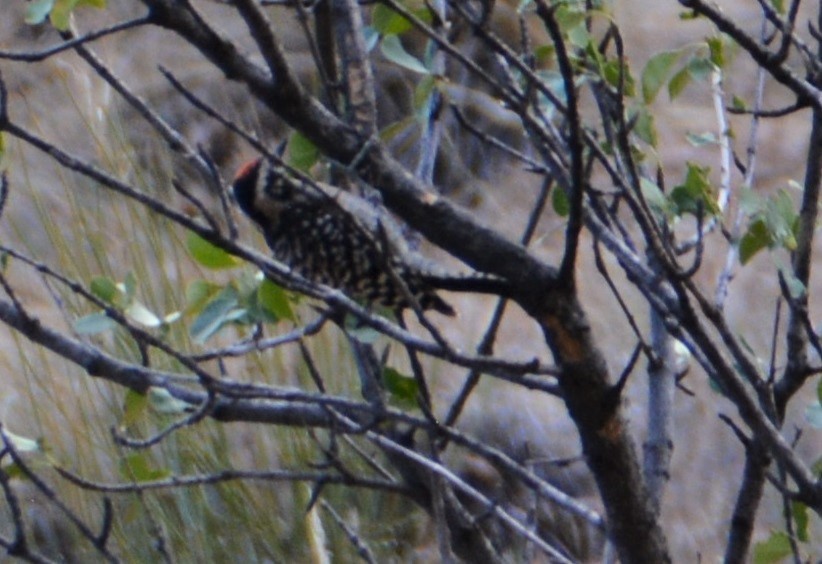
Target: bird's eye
x=278, y=187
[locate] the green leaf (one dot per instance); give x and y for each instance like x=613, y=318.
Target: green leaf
x=423, y=92
x=738, y=103
x=796, y=289
x=273, y=298
x=247, y=284
x=560, y=203
x=777, y=547
x=255, y=312
x=656, y=73
x=129, y=286
x=701, y=68
x=800, y=517
x=754, y=240
x=94, y=323
x=717, y=49
x=654, y=195
x=217, y=313
x=105, y=288
x=611, y=70
x=694, y=192
x=62, y=10
x=779, y=6
x=773, y=223
x=781, y=219
x=403, y=389
x=388, y=22
x=544, y=53
x=209, y=255
x=678, y=83
x=37, y=11
x=372, y=37
x=701, y=139
x=393, y=50
x=134, y=407
x=569, y=17
x=211, y=321
x=571, y=21
x=645, y=128
x=303, y=153
x=750, y=202
x=199, y=292
x=579, y=36
x=135, y=467
x=684, y=201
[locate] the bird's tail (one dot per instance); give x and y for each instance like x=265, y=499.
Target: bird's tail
x=469, y=283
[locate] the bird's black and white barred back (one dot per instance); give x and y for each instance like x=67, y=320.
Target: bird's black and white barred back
x=335, y=238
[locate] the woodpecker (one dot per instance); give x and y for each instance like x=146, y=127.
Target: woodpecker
x=333, y=237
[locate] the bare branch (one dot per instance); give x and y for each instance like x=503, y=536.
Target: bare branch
x=75, y=42
x=771, y=62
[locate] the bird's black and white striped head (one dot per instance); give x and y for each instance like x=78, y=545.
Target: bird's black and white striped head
x=262, y=191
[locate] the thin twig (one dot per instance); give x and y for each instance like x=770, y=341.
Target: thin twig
x=230, y=476
x=356, y=541
x=34, y=56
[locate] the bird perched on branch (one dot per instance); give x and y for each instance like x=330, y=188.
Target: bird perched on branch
x=333, y=237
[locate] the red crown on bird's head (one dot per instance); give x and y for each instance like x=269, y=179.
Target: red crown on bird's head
x=247, y=168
